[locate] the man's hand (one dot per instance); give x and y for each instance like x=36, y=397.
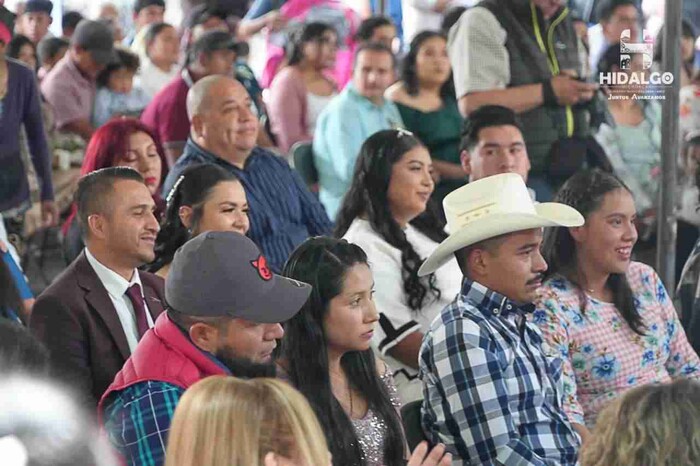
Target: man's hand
x=49, y=214
x=3, y=246
x=569, y=91
x=436, y=457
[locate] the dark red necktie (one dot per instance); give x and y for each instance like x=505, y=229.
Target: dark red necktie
x=134, y=294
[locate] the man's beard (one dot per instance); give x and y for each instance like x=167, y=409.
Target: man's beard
x=243, y=367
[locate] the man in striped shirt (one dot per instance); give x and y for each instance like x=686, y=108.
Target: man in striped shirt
x=223, y=131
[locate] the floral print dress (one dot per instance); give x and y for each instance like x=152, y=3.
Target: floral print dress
x=603, y=357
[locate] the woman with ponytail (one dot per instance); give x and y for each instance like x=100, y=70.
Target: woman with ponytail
x=606, y=316
x=204, y=198
x=387, y=213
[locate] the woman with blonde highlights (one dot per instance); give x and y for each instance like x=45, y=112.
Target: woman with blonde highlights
x=259, y=422
x=650, y=425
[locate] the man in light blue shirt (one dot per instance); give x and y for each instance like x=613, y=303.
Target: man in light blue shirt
x=354, y=115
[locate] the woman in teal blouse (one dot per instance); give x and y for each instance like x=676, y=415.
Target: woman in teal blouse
x=428, y=107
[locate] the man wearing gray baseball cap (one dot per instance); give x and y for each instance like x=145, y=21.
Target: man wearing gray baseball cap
x=224, y=310
x=70, y=86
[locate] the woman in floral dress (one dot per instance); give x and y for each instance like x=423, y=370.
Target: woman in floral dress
x=609, y=318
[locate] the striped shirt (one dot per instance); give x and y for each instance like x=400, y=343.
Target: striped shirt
x=283, y=212
x=492, y=395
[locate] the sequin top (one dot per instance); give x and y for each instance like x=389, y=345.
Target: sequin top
x=371, y=430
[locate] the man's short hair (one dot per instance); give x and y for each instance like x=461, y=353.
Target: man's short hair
x=491, y=245
x=606, y=8
x=367, y=27
x=485, y=117
x=95, y=189
x=141, y=4
x=70, y=20
x=374, y=47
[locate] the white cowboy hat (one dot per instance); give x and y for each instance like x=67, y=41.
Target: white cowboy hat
x=491, y=207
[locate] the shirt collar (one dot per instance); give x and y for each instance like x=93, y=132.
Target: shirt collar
x=115, y=284
x=492, y=303
x=198, y=150
x=355, y=95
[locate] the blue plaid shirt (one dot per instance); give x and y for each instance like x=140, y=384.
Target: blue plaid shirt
x=137, y=419
x=492, y=393
x=283, y=212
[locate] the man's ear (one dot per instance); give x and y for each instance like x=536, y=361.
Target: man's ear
x=197, y=124
x=466, y=160
x=205, y=337
x=578, y=233
x=477, y=262
x=97, y=226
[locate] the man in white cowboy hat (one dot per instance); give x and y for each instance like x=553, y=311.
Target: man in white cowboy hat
x=492, y=389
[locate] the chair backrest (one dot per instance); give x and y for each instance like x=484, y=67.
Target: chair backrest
x=411, y=419
x=303, y=157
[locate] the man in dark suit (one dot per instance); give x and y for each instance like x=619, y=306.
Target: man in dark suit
x=94, y=314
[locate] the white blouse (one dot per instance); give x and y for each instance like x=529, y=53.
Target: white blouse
x=152, y=79
x=396, y=319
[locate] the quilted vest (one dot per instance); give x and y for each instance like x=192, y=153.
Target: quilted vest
x=164, y=354
x=538, y=51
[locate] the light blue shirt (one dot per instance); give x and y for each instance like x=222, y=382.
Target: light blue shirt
x=346, y=122
x=109, y=103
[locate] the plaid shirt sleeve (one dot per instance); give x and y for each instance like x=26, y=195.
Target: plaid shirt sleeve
x=473, y=395
x=138, y=420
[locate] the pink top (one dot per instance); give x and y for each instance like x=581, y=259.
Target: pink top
x=287, y=108
x=602, y=357
x=344, y=20
x=69, y=92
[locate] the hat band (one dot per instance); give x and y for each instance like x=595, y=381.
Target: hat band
x=464, y=218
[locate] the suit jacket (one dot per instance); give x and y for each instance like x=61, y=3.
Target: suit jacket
x=76, y=320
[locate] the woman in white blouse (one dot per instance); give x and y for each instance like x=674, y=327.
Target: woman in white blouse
x=159, y=60
x=386, y=213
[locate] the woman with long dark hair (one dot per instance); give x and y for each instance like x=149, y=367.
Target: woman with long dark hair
x=609, y=318
x=387, y=213
x=426, y=100
x=122, y=142
x=301, y=90
x=204, y=198
x=326, y=355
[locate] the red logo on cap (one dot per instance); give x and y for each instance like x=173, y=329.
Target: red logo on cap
x=261, y=266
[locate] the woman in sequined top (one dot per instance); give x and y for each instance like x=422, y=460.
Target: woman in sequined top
x=326, y=355
x=609, y=318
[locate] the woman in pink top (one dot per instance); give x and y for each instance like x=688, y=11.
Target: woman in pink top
x=608, y=318
x=301, y=90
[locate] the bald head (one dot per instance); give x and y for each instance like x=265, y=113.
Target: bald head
x=198, y=97
x=221, y=119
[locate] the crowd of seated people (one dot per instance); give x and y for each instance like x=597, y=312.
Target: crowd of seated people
x=469, y=285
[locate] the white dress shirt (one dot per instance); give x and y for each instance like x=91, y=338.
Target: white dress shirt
x=116, y=287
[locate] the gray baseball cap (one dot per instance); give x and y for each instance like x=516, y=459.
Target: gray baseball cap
x=219, y=274
x=97, y=38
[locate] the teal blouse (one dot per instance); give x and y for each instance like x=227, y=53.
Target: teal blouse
x=440, y=131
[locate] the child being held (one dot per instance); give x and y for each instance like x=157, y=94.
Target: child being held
x=116, y=94
x=50, y=51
